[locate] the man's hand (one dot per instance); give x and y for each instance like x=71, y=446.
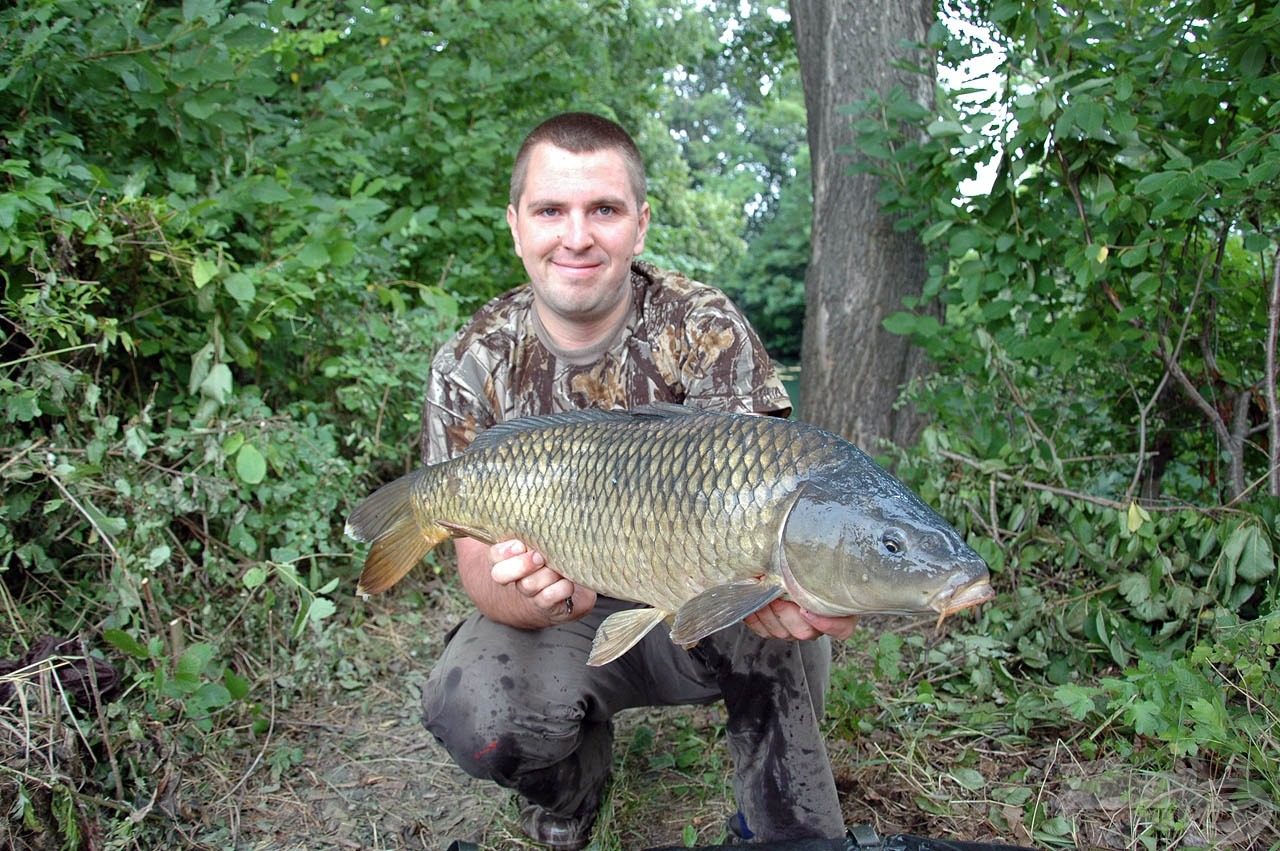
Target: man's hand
x=559, y=599
x=785, y=619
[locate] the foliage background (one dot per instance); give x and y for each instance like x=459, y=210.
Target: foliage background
x=1104, y=391
x=232, y=235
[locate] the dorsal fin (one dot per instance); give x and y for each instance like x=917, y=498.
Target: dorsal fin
x=499, y=432
x=666, y=410
x=502, y=431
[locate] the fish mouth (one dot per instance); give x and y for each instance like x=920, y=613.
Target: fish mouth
x=948, y=601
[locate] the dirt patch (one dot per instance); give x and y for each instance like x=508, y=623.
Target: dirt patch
x=368, y=775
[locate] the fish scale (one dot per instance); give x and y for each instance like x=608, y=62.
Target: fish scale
x=705, y=517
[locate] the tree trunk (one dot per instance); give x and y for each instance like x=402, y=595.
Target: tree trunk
x=860, y=269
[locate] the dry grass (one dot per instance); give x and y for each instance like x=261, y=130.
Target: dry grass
x=46, y=751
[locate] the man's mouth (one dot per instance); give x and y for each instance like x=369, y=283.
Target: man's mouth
x=575, y=268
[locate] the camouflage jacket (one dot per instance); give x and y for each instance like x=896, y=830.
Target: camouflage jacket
x=682, y=341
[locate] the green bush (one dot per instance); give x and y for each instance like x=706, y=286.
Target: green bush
x=231, y=237
x=1098, y=401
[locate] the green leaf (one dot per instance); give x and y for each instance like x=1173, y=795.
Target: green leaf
x=110, y=526
x=240, y=287
x=135, y=442
x=300, y=621
x=193, y=9
x=203, y=271
x=237, y=686
x=233, y=442
x=158, y=556
x=1146, y=717
x=917, y=325
x=935, y=230
x=1160, y=182
x=1078, y=700
x=251, y=467
x=321, y=608
x=194, y=660
x=1211, y=721
x=969, y=778
x=314, y=254
x=125, y=643
x=1222, y=169
x=254, y=576
x=342, y=252
x=1249, y=551
x=217, y=384
x=1257, y=242
x=212, y=696
x=270, y=192
x=901, y=323
x=1136, y=588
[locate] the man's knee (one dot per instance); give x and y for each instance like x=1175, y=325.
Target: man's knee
x=496, y=733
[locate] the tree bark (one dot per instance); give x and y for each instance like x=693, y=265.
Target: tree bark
x=860, y=268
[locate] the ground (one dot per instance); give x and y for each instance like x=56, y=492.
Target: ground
x=350, y=766
x=368, y=775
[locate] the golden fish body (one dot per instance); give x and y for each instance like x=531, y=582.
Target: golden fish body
x=704, y=517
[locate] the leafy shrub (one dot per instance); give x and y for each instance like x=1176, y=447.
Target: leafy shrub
x=1101, y=388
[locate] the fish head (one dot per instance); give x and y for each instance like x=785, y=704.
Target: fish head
x=879, y=549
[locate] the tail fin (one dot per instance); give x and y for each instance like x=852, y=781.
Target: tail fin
x=387, y=520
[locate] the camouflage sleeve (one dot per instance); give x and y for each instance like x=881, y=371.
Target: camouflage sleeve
x=725, y=365
x=455, y=407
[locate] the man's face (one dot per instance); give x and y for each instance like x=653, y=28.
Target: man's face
x=576, y=227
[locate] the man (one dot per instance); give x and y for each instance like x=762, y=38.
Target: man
x=511, y=697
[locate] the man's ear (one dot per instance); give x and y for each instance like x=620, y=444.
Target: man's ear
x=642, y=229
x=512, y=221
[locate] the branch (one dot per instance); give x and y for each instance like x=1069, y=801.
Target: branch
x=1073, y=183
x=1269, y=376
x=84, y=512
x=1188, y=388
x=1009, y=477
x=1088, y=497
x=1143, y=414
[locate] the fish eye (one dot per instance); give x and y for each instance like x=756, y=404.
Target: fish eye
x=894, y=541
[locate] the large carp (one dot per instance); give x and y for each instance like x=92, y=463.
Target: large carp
x=706, y=517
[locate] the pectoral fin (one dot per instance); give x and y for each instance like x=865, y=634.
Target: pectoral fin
x=463, y=531
x=620, y=632
x=722, y=606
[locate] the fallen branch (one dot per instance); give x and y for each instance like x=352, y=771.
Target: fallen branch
x=1269, y=377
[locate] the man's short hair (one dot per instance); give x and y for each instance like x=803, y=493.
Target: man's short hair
x=580, y=133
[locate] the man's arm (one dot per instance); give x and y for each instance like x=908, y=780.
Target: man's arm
x=511, y=584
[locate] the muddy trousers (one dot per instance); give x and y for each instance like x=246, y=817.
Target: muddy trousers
x=523, y=709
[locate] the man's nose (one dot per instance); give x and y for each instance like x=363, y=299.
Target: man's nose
x=577, y=233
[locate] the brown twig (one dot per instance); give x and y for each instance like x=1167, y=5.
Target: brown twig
x=1064, y=492
x=17, y=456
x=96, y=700
x=1269, y=378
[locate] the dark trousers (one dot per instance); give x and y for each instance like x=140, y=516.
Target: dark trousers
x=523, y=709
